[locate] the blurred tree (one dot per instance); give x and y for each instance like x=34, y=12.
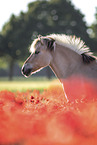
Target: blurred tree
x=43, y=17
x=1, y=45
x=94, y=27
x=56, y=16
x=93, y=32
x=14, y=41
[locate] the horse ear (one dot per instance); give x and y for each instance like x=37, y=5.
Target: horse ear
x=50, y=43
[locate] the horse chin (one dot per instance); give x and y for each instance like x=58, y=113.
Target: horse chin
x=35, y=71
x=31, y=73
x=27, y=76
x=28, y=72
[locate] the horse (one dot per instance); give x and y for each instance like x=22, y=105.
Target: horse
x=67, y=56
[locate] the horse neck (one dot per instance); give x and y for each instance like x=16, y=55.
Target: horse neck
x=65, y=62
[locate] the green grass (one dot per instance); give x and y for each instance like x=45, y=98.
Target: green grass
x=23, y=84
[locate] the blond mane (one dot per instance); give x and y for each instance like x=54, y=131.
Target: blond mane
x=72, y=42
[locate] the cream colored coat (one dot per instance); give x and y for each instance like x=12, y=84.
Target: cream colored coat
x=66, y=55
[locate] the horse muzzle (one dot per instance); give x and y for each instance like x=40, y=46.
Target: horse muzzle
x=26, y=69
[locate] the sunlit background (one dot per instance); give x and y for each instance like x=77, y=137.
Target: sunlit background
x=9, y=7
x=10, y=11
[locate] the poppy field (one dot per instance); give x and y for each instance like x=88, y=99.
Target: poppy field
x=45, y=118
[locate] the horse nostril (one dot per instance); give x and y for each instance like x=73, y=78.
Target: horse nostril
x=26, y=70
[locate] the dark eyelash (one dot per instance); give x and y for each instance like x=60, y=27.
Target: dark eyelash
x=37, y=52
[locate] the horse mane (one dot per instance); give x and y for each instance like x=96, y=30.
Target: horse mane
x=75, y=44
x=71, y=42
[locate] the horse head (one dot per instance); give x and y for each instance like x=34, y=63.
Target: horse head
x=40, y=55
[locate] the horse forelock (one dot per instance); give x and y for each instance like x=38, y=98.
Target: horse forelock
x=40, y=39
x=33, y=45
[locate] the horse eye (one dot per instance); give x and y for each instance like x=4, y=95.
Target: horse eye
x=37, y=52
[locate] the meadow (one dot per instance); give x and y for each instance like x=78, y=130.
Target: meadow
x=40, y=115
x=23, y=84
